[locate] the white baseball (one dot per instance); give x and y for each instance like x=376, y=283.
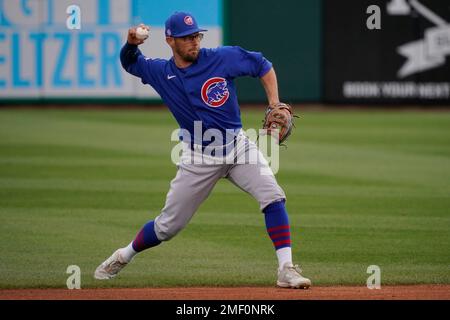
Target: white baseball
x=141, y=33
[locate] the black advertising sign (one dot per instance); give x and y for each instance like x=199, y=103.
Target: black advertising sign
x=392, y=51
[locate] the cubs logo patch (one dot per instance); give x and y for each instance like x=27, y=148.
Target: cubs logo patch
x=215, y=92
x=188, y=20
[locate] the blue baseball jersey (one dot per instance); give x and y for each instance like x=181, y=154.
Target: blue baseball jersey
x=205, y=90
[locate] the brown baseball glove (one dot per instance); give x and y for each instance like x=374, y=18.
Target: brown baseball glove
x=279, y=116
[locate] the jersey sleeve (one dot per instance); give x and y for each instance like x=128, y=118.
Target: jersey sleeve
x=135, y=63
x=241, y=62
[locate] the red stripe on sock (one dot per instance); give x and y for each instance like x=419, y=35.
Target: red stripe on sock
x=138, y=242
x=277, y=243
x=279, y=235
x=277, y=228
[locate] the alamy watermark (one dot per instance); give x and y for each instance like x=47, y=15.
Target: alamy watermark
x=74, y=280
x=74, y=19
x=374, y=20
x=374, y=280
x=214, y=147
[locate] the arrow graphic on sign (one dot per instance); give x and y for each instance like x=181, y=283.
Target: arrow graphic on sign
x=426, y=53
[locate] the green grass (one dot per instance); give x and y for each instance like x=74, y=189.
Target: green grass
x=363, y=188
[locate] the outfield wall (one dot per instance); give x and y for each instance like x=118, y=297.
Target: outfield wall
x=41, y=58
x=406, y=60
x=323, y=50
x=288, y=32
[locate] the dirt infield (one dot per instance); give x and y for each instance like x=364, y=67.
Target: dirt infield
x=413, y=292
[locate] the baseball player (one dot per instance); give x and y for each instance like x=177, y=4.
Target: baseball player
x=197, y=86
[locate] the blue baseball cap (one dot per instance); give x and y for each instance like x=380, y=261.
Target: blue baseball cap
x=181, y=24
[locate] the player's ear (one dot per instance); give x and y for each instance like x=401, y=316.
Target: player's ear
x=170, y=41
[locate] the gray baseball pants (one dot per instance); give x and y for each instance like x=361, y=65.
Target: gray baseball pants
x=195, y=180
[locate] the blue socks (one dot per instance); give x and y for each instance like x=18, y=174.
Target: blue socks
x=277, y=224
x=146, y=238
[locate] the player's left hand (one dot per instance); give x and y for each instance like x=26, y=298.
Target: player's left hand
x=279, y=116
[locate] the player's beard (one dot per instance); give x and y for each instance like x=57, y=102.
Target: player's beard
x=189, y=55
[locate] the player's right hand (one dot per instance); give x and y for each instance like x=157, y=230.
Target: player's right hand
x=132, y=35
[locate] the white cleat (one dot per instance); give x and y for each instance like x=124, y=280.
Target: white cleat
x=290, y=277
x=110, y=267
